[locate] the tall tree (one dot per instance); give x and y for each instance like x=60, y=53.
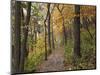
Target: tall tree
x=53, y=44
x=64, y=30
x=45, y=26
x=48, y=22
x=16, y=56
x=45, y=38
x=77, y=32
x=52, y=34
x=24, y=51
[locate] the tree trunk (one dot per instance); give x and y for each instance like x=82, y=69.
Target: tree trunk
x=49, y=34
x=64, y=30
x=45, y=41
x=53, y=44
x=77, y=32
x=24, y=51
x=16, y=56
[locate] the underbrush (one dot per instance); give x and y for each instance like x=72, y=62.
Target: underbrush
x=36, y=56
x=88, y=52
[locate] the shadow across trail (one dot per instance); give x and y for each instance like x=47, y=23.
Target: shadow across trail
x=55, y=62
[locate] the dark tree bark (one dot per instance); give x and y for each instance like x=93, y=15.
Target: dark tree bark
x=46, y=32
x=77, y=32
x=24, y=51
x=16, y=55
x=45, y=39
x=48, y=22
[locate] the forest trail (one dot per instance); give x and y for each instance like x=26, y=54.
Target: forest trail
x=55, y=62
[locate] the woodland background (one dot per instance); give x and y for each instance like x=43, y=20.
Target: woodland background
x=40, y=30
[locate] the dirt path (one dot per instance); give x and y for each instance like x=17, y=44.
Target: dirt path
x=55, y=62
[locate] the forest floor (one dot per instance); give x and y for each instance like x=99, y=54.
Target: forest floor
x=55, y=61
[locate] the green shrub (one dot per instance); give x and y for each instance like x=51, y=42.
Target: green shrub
x=34, y=58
